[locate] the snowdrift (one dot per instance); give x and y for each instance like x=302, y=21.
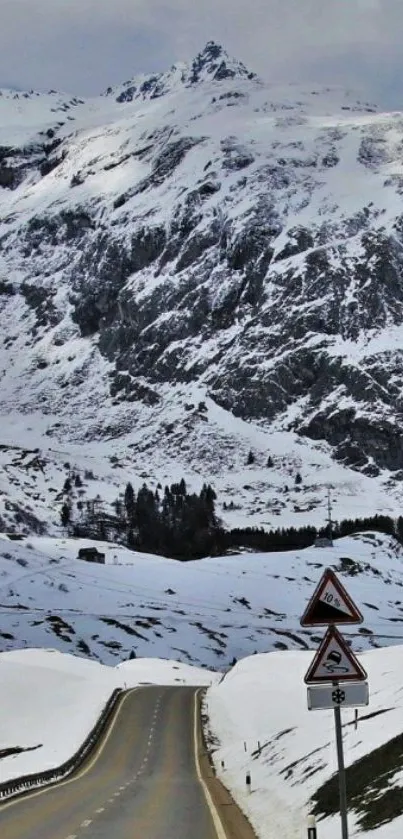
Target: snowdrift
x=262, y=700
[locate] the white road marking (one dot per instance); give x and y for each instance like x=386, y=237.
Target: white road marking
x=86, y=823
x=72, y=836
x=100, y=810
x=210, y=803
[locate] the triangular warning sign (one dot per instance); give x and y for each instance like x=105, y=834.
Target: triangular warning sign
x=330, y=604
x=334, y=662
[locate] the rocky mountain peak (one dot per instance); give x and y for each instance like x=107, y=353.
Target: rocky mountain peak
x=213, y=62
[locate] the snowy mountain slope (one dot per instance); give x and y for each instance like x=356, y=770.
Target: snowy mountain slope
x=203, y=612
x=201, y=232
x=188, y=436
x=298, y=753
x=33, y=735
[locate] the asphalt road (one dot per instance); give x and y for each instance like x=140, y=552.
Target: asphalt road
x=141, y=783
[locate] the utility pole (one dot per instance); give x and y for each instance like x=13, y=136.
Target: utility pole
x=329, y=516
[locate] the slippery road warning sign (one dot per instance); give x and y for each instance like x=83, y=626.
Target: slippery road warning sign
x=334, y=668
x=330, y=604
x=334, y=662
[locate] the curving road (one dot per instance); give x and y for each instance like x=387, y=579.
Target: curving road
x=143, y=782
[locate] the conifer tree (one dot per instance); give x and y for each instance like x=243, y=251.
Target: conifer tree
x=129, y=502
x=65, y=515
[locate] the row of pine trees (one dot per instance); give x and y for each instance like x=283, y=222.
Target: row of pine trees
x=184, y=525
x=171, y=522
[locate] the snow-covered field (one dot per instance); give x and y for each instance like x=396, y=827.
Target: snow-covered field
x=202, y=612
x=50, y=701
x=263, y=700
x=207, y=612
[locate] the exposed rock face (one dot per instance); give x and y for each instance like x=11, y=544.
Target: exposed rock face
x=199, y=226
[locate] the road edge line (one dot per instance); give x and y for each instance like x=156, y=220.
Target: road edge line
x=218, y=825
x=79, y=773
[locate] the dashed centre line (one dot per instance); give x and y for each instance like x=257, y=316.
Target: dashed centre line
x=100, y=810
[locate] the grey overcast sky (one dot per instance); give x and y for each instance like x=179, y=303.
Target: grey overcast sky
x=82, y=46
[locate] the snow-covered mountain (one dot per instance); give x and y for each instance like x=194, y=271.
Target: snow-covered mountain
x=203, y=612
x=196, y=264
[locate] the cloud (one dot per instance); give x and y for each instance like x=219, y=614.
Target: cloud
x=85, y=46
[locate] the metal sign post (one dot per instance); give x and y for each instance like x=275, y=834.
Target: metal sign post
x=342, y=772
x=335, y=677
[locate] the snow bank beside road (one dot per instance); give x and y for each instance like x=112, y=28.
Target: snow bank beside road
x=50, y=701
x=263, y=699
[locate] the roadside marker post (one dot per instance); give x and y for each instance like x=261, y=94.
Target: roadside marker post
x=312, y=831
x=335, y=677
